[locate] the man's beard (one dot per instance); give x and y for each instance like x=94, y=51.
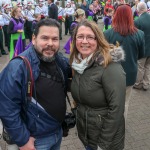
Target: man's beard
x=46, y=58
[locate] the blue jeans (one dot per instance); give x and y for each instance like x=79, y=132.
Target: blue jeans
x=51, y=142
x=88, y=148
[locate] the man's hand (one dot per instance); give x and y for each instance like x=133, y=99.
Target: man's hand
x=29, y=145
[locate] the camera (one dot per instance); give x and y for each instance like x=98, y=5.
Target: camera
x=68, y=123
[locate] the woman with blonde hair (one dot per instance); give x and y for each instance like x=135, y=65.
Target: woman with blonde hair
x=79, y=16
x=15, y=29
x=95, y=88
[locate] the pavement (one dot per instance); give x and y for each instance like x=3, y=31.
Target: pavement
x=137, y=125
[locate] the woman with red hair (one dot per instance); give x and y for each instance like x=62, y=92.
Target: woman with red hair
x=124, y=33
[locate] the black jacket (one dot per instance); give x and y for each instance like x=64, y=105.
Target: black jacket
x=53, y=11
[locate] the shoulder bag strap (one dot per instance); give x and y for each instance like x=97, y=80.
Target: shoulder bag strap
x=29, y=76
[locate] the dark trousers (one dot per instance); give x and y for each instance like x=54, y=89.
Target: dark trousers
x=1, y=42
x=68, y=22
x=28, y=30
x=60, y=29
x=7, y=37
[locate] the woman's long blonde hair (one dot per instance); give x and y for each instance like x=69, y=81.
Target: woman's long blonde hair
x=102, y=45
x=14, y=11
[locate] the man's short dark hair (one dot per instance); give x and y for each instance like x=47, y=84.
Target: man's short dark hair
x=46, y=22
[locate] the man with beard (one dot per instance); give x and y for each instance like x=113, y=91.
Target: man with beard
x=36, y=124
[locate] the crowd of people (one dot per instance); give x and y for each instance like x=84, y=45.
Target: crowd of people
x=98, y=60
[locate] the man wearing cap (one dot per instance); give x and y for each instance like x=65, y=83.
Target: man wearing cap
x=52, y=10
x=29, y=12
x=41, y=9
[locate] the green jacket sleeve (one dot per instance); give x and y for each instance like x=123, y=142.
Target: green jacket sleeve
x=114, y=84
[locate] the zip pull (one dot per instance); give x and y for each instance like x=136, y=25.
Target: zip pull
x=100, y=117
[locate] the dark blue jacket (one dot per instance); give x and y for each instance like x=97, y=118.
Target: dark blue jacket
x=21, y=119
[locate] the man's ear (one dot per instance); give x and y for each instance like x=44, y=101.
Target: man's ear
x=33, y=39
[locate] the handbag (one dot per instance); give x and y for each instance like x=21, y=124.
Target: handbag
x=5, y=135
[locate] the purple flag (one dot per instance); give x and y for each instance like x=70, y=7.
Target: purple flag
x=19, y=46
x=67, y=46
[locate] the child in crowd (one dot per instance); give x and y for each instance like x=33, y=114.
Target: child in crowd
x=90, y=13
x=108, y=19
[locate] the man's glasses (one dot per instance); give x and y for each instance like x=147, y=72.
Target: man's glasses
x=89, y=38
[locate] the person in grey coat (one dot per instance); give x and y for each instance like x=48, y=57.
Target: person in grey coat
x=143, y=23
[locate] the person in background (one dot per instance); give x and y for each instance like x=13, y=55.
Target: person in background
x=143, y=23
x=37, y=19
x=102, y=6
x=95, y=88
x=36, y=124
x=84, y=6
x=79, y=16
x=117, y=3
x=148, y=6
x=125, y=34
x=52, y=10
x=2, y=50
x=19, y=4
x=15, y=28
x=96, y=10
x=6, y=16
x=73, y=5
x=29, y=12
x=134, y=10
x=108, y=5
x=90, y=13
x=60, y=18
x=68, y=13
x=108, y=19
x=41, y=9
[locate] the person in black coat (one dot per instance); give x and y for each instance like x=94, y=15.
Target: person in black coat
x=52, y=10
